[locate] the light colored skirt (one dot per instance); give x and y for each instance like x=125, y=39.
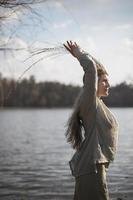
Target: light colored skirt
x=92, y=186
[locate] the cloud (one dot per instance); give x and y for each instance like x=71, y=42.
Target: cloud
x=57, y=3
x=9, y=16
x=13, y=44
x=11, y=59
x=18, y=42
x=98, y=27
x=91, y=44
x=128, y=42
x=62, y=25
x=123, y=27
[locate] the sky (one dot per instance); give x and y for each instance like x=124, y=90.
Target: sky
x=104, y=28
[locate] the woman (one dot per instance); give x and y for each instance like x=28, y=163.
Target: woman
x=92, y=130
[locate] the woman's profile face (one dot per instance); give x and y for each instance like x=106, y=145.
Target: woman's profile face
x=103, y=86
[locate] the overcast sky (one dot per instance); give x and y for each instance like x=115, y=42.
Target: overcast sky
x=104, y=28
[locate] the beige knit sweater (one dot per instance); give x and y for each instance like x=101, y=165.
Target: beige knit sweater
x=100, y=125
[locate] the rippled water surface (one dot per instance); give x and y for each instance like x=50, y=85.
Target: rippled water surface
x=34, y=156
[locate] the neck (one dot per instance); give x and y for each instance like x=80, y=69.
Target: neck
x=99, y=96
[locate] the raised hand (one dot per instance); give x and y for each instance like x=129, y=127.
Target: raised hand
x=73, y=48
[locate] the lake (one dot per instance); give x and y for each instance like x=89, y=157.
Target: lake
x=34, y=155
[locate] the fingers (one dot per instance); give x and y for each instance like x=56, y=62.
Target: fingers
x=67, y=48
x=75, y=44
x=70, y=46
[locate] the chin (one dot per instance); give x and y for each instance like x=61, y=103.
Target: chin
x=105, y=94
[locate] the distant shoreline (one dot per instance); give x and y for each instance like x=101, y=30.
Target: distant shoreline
x=31, y=94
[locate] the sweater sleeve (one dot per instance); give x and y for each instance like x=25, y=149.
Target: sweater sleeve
x=88, y=100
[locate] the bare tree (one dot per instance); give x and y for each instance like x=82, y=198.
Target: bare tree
x=10, y=8
x=16, y=3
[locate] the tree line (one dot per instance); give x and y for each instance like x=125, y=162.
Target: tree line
x=29, y=93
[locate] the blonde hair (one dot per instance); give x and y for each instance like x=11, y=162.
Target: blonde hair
x=100, y=70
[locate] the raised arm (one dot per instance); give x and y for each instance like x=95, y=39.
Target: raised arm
x=88, y=98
